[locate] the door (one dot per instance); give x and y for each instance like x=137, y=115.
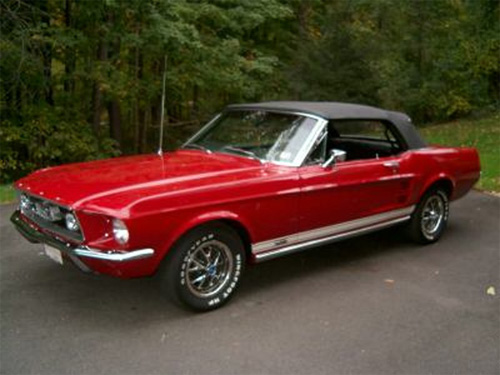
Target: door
x=366, y=190
x=349, y=191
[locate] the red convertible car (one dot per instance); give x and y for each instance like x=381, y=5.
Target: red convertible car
x=259, y=181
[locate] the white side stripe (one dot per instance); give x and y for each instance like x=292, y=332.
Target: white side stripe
x=331, y=230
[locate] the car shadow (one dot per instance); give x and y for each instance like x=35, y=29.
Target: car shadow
x=349, y=254
x=98, y=300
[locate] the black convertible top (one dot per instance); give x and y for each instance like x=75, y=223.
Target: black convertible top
x=343, y=111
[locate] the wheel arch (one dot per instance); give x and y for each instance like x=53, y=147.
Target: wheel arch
x=442, y=181
x=242, y=231
x=229, y=219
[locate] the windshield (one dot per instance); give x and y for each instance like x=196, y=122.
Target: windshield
x=267, y=136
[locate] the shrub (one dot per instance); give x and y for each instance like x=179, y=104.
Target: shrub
x=41, y=138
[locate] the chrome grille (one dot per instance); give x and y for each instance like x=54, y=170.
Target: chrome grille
x=48, y=215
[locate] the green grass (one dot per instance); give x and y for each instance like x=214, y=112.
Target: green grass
x=483, y=134
x=7, y=193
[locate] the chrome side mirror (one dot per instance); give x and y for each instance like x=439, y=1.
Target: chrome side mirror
x=335, y=157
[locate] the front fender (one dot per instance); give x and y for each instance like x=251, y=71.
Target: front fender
x=200, y=219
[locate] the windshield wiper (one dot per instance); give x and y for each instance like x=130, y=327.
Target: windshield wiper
x=239, y=150
x=198, y=147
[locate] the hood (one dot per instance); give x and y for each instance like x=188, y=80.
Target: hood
x=77, y=185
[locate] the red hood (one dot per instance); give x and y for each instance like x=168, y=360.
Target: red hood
x=79, y=184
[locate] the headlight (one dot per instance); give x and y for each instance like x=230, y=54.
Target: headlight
x=71, y=222
x=24, y=203
x=120, y=231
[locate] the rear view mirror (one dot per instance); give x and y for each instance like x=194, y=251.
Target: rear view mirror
x=335, y=157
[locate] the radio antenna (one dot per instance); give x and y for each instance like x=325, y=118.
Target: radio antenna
x=162, y=116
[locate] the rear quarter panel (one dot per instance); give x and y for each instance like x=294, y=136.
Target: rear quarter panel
x=460, y=166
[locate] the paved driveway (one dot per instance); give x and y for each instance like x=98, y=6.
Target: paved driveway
x=372, y=305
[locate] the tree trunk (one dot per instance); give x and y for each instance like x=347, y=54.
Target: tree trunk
x=115, y=121
x=140, y=113
x=97, y=94
x=303, y=15
x=147, y=122
x=47, y=57
x=156, y=103
x=195, y=109
x=96, y=109
x=142, y=126
x=156, y=112
x=114, y=109
x=69, y=66
x=18, y=102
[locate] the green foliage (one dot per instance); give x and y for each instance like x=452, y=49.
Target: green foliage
x=43, y=139
x=432, y=59
x=83, y=79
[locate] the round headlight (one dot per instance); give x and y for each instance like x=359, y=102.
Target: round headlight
x=120, y=231
x=71, y=222
x=24, y=202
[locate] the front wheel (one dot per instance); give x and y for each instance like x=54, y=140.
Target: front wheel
x=429, y=220
x=204, y=268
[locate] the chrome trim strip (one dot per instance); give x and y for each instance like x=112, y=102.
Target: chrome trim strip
x=319, y=139
x=283, y=111
x=310, y=142
x=342, y=236
x=203, y=129
x=113, y=256
x=331, y=230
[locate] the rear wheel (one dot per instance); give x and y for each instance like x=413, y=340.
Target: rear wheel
x=429, y=220
x=204, y=268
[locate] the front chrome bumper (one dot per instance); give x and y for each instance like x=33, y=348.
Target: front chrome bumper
x=74, y=252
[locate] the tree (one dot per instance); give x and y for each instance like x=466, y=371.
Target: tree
x=82, y=79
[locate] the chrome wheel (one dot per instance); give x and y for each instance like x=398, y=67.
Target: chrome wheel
x=432, y=216
x=209, y=267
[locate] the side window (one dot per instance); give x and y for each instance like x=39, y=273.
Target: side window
x=363, y=139
x=371, y=130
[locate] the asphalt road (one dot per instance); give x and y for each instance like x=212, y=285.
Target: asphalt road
x=372, y=305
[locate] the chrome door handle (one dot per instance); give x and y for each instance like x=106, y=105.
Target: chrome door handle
x=394, y=165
